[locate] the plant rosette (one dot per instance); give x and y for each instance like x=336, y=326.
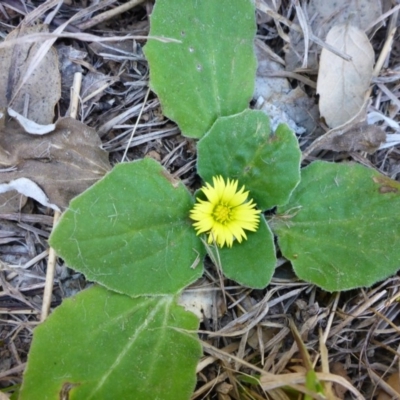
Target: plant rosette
x=137, y=230
x=142, y=236
x=139, y=233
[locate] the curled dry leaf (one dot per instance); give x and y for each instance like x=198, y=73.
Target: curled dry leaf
x=27, y=188
x=62, y=163
x=342, y=85
x=43, y=88
x=30, y=126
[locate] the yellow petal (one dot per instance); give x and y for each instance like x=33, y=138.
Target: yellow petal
x=239, y=213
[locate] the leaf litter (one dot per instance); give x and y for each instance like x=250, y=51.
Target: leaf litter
x=359, y=328
x=67, y=158
x=41, y=91
x=342, y=85
x=63, y=162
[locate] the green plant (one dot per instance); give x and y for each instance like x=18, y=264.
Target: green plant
x=131, y=232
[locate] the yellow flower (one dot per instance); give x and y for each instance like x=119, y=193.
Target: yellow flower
x=226, y=213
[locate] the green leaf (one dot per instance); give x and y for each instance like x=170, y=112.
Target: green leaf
x=104, y=345
x=210, y=72
x=313, y=384
x=252, y=262
x=341, y=227
x=243, y=147
x=131, y=232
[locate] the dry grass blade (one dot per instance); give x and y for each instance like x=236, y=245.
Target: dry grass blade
x=135, y=127
x=325, y=366
x=248, y=320
x=329, y=136
x=84, y=37
x=207, y=388
x=12, y=371
x=356, y=312
x=294, y=379
x=39, y=11
x=381, y=383
x=306, y=31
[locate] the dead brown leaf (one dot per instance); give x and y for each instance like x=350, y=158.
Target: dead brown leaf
x=11, y=202
x=342, y=85
x=394, y=382
x=337, y=368
x=354, y=135
x=360, y=137
x=62, y=163
x=39, y=95
x=28, y=188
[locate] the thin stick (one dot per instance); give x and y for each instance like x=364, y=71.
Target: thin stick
x=106, y=15
x=136, y=125
x=51, y=263
x=75, y=90
x=48, y=286
x=387, y=48
x=330, y=319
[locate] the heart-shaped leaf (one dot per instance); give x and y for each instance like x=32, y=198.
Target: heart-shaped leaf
x=208, y=70
x=104, y=345
x=131, y=232
x=243, y=147
x=252, y=262
x=341, y=227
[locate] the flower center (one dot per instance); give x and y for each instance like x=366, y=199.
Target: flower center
x=222, y=213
